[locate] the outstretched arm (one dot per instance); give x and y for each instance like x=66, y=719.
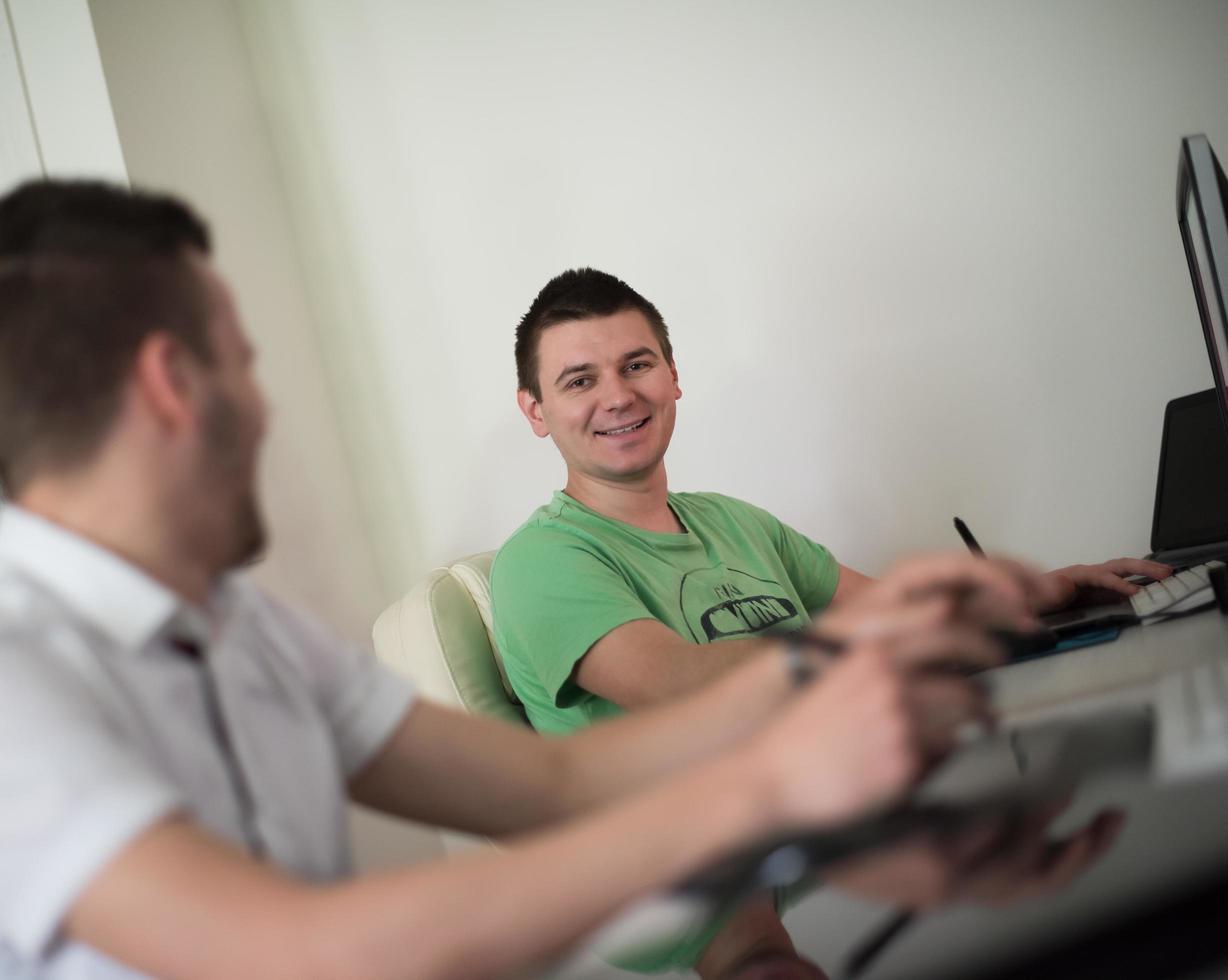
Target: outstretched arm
x=1054, y=590
x=486, y=777
x=482, y=776
x=177, y=903
x=644, y=662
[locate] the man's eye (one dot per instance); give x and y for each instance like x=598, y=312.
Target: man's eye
x=578, y=383
x=638, y=365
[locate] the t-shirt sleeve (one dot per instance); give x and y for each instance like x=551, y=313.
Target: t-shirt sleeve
x=75, y=794
x=553, y=596
x=810, y=566
x=362, y=700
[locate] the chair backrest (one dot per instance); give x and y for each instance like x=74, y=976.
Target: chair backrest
x=439, y=635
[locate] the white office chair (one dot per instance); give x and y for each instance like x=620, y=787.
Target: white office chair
x=438, y=635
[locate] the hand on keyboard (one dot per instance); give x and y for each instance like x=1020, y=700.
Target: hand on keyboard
x=1090, y=585
x=1183, y=590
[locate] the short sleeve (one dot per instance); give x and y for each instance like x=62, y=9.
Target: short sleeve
x=810, y=566
x=553, y=596
x=360, y=698
x=75, y=794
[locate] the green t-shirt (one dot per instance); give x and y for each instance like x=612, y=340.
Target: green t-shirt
x=570, y=575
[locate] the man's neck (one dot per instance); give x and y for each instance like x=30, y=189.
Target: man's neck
x=112, y=522
x=642, y=503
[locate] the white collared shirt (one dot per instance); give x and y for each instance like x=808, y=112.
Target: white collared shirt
x=109, y=722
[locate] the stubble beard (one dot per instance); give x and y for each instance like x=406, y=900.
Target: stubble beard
x=229, y=465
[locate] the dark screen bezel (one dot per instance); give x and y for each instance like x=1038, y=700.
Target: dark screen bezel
x=1219, y=533
x=1200, y=175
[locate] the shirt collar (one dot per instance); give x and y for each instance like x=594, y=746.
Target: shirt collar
x=112, y=594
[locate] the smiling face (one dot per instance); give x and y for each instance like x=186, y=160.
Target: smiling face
x=607, y=397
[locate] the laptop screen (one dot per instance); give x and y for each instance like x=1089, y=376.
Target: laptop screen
x=1192, y=490
x=1202, y=215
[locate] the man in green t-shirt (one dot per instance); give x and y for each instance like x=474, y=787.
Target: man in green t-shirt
x=612, y=594
x=619, y=593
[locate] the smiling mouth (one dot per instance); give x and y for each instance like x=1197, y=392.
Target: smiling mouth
x=624, y=429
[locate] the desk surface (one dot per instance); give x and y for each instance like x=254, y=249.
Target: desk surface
x=1121, y=671
x=1174, y=842
x=1175, y=839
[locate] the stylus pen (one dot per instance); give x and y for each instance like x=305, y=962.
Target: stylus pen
x=866, y=952
x=969, y=540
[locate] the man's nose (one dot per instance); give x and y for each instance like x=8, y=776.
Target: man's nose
x=616, y=393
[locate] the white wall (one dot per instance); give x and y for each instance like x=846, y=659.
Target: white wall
x=55, y=117
x=51, y=48
x=190, y=122
x=918, y=260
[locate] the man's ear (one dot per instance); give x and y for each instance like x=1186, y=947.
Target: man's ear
x=167, y=378
x=531, y=408
x=673, y=373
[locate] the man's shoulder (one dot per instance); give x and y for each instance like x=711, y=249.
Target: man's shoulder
x=29, y=614
x=46, y=656
x=560, y=543
x=552, y=515
x=277, y=629
x=557, y=524
x=707, y=498
x=719, y=505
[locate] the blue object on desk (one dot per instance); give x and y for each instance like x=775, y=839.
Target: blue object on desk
x=1088, y=639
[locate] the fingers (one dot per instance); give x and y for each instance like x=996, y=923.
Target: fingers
x=1031, y=865
x=1036, y=585
x=886, y=622
x=1010, y=582
x=919, y=709
x=924, y=593
x=995, y=860
x=1138, y=566
x=956, y=648
x=940, y=708
x=1098, y=577
x=974, y=844
x=914, y=693
x=1059, y=591
x=1107, y=575
x=858, y=722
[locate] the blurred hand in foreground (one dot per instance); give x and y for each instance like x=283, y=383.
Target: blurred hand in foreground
x=997, y=861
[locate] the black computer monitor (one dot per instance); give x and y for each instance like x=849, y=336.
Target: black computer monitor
x=1201, y=193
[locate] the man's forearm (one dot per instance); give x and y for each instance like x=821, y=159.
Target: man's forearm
x=531, y=909
x=177, y=903
x=620, y=755
x=692, y=667
x=481, y=776
x=645, y=663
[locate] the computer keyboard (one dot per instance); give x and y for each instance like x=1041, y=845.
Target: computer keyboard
x=1182, y=590
x=1192, y=721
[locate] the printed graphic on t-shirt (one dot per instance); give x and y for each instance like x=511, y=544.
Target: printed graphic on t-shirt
x=723, y=602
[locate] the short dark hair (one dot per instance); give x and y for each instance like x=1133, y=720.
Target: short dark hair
x=578, y=294
x=87, y=271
